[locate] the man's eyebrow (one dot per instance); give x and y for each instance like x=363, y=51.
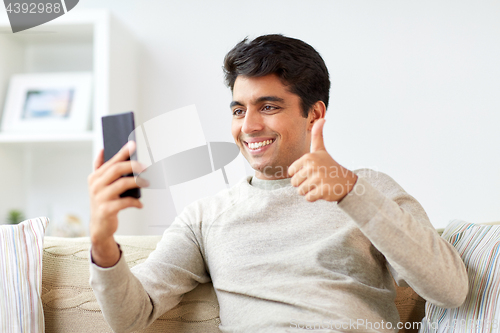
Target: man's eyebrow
x=260, y=100
x=234, y=103
x=269, y=99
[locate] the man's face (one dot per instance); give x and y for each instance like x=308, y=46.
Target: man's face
x=268, y=125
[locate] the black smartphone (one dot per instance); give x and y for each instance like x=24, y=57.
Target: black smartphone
x=117, y=130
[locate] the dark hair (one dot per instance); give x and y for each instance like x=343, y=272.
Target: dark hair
x=297, y=64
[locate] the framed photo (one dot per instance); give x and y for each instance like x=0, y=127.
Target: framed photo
x=55, y=102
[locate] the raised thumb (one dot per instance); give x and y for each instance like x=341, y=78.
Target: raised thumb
x=317, y=142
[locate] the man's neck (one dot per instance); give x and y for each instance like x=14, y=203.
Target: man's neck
x=270, y=184
x=275, y=174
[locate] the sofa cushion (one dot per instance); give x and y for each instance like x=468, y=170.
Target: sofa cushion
x=70, y=305
x=479, y=247
x=21, y=276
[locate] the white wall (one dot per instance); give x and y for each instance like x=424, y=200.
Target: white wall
x=415, y=85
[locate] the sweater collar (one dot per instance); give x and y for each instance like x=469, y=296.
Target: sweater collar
x=269, y=184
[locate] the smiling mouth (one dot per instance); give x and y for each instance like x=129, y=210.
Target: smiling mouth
x=258, y=145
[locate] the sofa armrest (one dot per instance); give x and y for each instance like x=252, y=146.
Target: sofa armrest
x=411, y=308
x=69, y=303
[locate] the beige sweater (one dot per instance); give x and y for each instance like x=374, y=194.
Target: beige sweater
x=279, y=263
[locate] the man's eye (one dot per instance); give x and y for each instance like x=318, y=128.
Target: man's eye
x=238, y=112
x=269, y=108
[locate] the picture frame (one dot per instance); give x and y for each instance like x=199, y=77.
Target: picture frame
x=48, y=103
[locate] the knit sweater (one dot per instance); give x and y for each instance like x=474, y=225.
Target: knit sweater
x=279, y=263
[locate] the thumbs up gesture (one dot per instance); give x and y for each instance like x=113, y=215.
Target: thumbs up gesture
x=317, y=175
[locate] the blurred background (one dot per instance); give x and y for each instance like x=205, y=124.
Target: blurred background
x=415, y=94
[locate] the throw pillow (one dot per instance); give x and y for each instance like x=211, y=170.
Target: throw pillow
x=21, y=249
x=479, y=247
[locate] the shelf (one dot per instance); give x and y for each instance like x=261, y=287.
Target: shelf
x=51, y=34
x=46, y=138
x=72, y=27
x=47, y=171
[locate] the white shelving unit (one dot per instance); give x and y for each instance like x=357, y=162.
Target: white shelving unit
x=46, y=174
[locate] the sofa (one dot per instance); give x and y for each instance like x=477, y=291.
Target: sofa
x=69, y=304
x=44, y=283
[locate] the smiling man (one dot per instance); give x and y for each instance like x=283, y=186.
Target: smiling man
x=305, y=243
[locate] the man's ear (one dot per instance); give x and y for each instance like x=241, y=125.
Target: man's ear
x=317, y=111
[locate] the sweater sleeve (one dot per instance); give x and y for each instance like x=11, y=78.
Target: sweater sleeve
x=132, y=299
x=399, y=228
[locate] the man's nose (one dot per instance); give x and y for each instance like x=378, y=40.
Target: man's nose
x=252, y=122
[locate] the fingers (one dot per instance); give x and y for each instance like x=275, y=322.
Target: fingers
x=113, y=190
x=297, y=165
x=113, y=207
x=123, y=154
x=99, y=160
x=303, y=168
x=116, y=205
x=98, y=180
x=141, y=182
x=306, y=187
x=100, y=167
x=314, y=194
x=314, y=189
x=120, y=169
x=299, y=177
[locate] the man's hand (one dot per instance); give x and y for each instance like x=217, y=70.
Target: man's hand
x=105, y=186
x=317, y=175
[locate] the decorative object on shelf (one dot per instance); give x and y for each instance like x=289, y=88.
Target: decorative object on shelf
x=50, y=103
x=15, y=216
x=72, y=226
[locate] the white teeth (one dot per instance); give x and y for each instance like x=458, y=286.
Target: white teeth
x=256, y=145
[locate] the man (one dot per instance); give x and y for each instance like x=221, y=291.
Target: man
x=303, y=241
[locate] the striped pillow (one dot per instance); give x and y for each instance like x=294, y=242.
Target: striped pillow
x=479, y=247
x=21, y=249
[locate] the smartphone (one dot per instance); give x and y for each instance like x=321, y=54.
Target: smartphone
x=117, y=130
